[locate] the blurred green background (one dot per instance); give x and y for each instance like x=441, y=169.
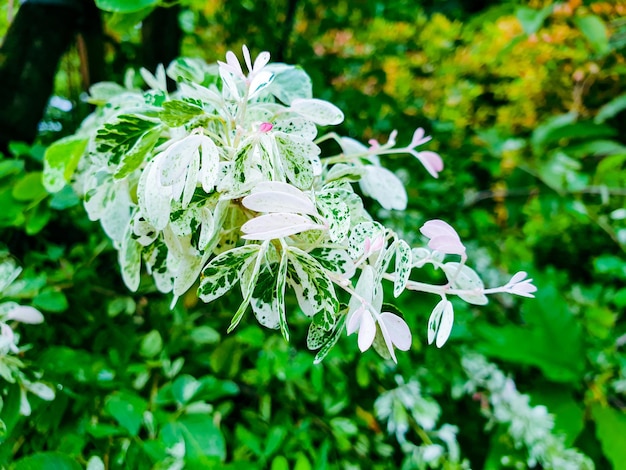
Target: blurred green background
x=526, y=103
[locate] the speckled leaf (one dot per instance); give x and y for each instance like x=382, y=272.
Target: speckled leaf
x=314, y=291
x=279, y=295
x=130, y=261
x=334, y=260
x=300, y=159
x=359, y=233
x=319, y=111
x=296, y=126
x=336, y=213
x=331, y=340
x=404, y=262
x=224, y=271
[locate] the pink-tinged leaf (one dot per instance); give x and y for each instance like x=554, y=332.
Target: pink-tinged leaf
x=399, y=331
x=431, y=161
x=445, y=326
x=419, y=138
x=279, y=202
x=278, y=225
x=436, y=227
x=449, y=245
x=367, y=331
x=25, y=314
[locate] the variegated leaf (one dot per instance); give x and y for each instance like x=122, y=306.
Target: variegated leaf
x=319, y=111
x=358, y=234
x=224, y=271
x=336, y=214
x=314, y=290
x=404, y=263
x=300, y=159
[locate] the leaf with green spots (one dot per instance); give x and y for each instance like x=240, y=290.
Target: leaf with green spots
x=404, y=263
x=361, y=232
x=300, y=159
x=176, y=112
x=335, y=260
x=336, y=213
x=225, y=270
x=314, y=290
x=60, y=161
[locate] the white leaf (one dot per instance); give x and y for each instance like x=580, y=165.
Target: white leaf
x=210, y=159
x=42, y=390
x=259, y=82
x=350, y=146
x=384, y=186
x=399, y=331
x=191, y=181
x=367, y=331
x=154, y=199
x=319, y=111
x=445, y=326
x=25, y=314
x=364, y=290
x=175, y=160
x=277, y=225
x=466, y=279
x=434, y=320
x=279, y=202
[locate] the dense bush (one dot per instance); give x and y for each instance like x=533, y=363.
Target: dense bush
x=526, y=106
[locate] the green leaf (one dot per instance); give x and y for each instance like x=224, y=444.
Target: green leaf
x=184, y=388
x=125, y=6
x=60, y=161
x=611, y=109
x=551, y=339
x=542, y=133
x=126, y=140
x=127, y=409
x=51, y=300
x=176, y=113
x=531, y=19
x=29, y=187
x=595, y=31
x=46, y=461
x=224, y=271
x=151, y=344
x=204, y=442
x=610, y=430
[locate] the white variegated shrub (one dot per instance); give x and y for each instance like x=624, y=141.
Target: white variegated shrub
x=223, y=181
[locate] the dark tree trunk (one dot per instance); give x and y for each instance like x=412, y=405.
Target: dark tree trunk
x=160, y=38
x=33, y=45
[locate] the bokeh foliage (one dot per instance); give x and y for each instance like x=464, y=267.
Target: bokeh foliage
x=527, y=105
